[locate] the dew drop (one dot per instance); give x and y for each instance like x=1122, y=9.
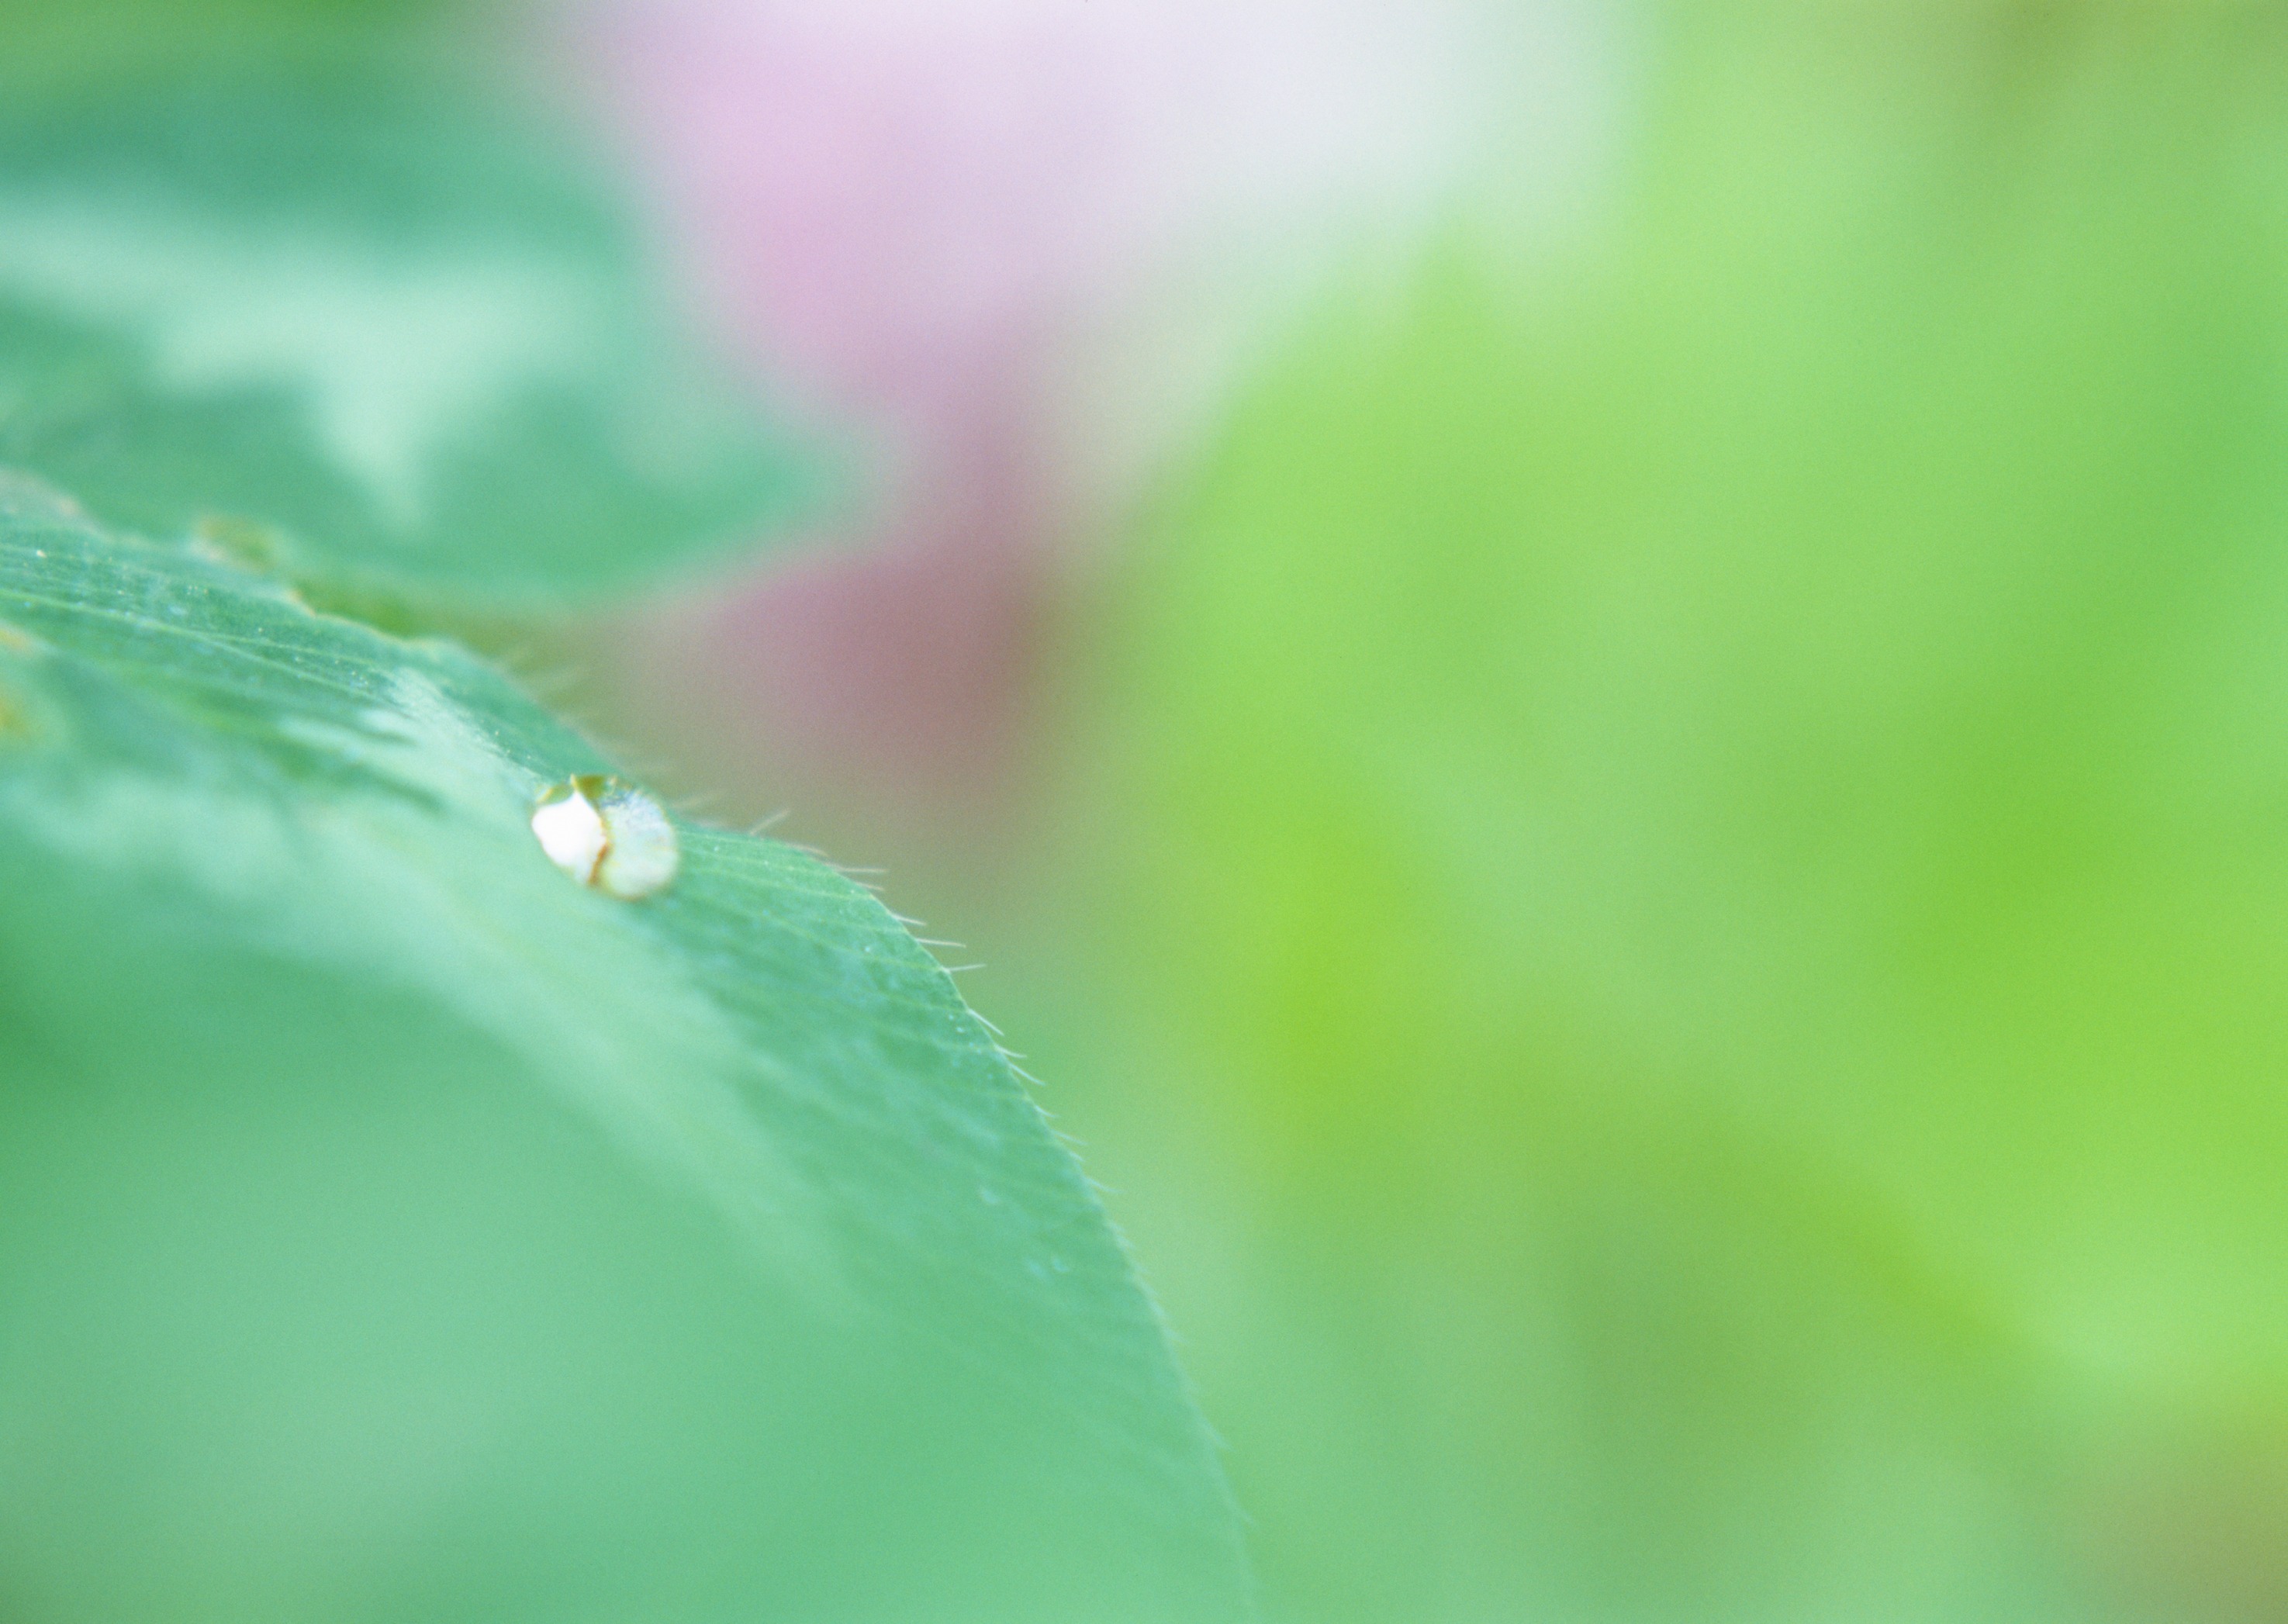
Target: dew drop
x=607, y=834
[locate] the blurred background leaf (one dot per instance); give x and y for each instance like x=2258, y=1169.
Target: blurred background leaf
x=392, y=1227
x=370, y=309
x=63, y=50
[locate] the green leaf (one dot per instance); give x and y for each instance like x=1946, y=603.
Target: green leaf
x=388, y=331
x=53, y=48
x=393, y=1227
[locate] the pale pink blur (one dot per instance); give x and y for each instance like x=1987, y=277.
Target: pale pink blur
x=1023, y=245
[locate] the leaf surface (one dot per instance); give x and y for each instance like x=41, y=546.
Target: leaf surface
x=393, y=1227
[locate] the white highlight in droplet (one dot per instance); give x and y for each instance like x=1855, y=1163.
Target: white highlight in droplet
x=609, y=834
x=571, y=831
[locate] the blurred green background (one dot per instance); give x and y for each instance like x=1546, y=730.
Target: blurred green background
x=1668, y=912
x=1657, y=872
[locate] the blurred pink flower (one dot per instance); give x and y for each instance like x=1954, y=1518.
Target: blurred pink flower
x=1022, y=243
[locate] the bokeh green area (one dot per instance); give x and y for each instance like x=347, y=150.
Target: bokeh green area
x=63, y=48
x=346, y=282
x=1673, y=906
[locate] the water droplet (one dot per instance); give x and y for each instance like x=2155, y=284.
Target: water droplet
x=607, y=832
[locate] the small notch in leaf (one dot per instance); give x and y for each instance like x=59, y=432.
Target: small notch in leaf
x=240, y=543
